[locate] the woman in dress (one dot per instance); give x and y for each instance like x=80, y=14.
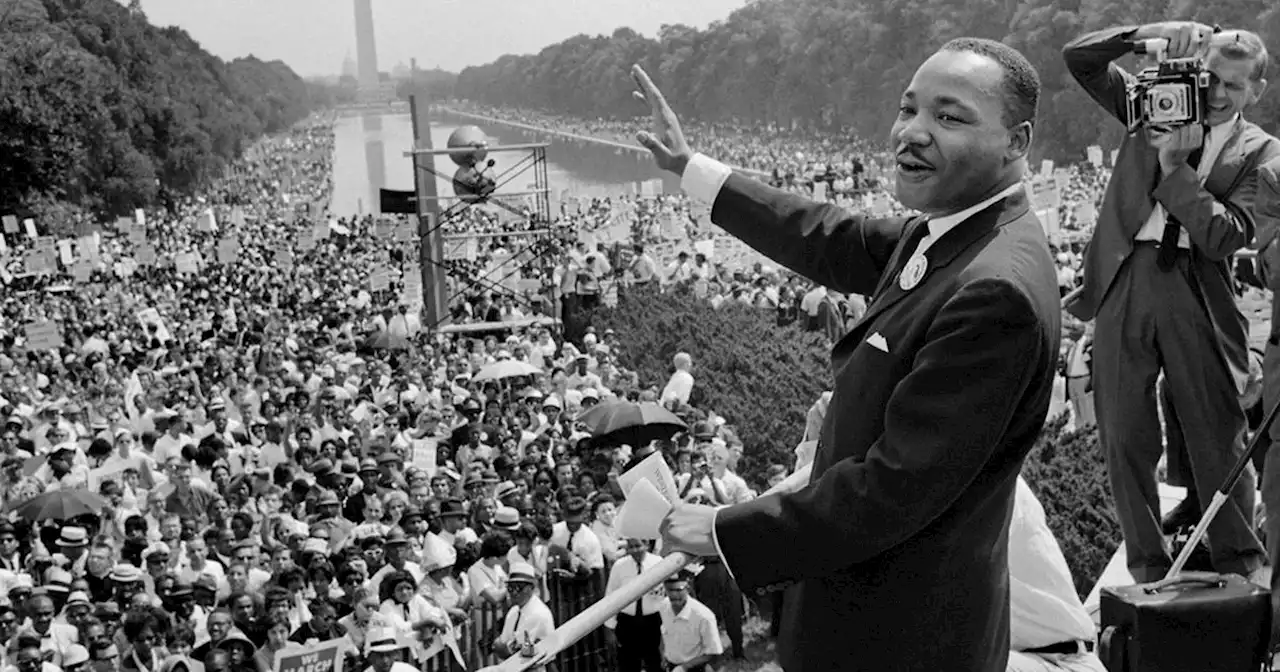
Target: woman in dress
x=441, y=585
x=488, y=575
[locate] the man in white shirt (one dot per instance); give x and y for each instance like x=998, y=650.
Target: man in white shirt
x=573, y=535
x=690, y=636
x=638, y=627
x=529, y=621
x=1050, y=630
x=735, y=488
x=680, y=386
x=170, y=444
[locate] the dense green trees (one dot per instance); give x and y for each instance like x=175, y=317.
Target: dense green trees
x=101, y=109
x=841, y=62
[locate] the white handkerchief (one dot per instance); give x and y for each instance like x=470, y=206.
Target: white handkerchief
x=877, y=341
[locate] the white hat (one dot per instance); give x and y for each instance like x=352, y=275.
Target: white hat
x=75, y=655
x=437, y=554
x=521, y=572
x=382, y=639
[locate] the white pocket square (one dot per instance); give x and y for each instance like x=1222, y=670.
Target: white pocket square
x=877, y=341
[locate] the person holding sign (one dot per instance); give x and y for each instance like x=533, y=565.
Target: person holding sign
x=895, y=552
x=1158, y=282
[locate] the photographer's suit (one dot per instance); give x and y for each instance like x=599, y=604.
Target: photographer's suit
x=1268, y=244
x=1182, y=320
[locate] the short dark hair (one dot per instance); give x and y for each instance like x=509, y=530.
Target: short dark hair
x=1243, y=45
x=1021, y=81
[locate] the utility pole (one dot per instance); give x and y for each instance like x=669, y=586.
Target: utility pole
x=430, y=234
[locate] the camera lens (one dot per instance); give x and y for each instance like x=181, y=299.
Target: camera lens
x=1164, y=103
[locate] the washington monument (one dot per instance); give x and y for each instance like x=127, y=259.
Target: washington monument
x=366, y=48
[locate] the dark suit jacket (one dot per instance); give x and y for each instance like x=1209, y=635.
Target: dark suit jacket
x=1267, y=213
x=1136, y=186
x=899, y=547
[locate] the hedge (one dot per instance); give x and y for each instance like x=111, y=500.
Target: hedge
x=741, y=360
x=762, y=378
x=1067, y=472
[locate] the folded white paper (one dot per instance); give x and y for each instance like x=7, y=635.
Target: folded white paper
x=642, y=513
x=653, y=469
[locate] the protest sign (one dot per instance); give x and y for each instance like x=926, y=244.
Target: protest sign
x=228, y=250
x=146, y=256
x=82, y=271
x=322, y=657
x=424, y=454
x=43, y=336
x=1094, y=153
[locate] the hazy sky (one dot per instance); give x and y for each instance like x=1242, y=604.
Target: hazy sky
x=314, y=36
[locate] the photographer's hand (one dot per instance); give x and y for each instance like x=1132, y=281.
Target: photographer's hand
x=1176, y=145
x=1187, y=39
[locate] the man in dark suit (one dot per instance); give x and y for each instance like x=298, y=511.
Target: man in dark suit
x=1267, y=214
x=897, y=551
x=1158, y=280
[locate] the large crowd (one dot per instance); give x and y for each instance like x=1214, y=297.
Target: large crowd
x=286, y=455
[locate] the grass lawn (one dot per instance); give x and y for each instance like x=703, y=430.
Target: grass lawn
x=760, y=649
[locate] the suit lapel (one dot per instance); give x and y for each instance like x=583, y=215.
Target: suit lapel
x=1227, y=167
x=943, y=251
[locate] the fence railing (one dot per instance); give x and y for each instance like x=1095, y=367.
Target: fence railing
x=568, y=597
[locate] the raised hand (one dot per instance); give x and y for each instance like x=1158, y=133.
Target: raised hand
x=665, y=140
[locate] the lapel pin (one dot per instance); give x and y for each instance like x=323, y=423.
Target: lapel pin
x=913, y=272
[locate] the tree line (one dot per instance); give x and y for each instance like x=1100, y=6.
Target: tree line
x=842, y=64
x=102, y=110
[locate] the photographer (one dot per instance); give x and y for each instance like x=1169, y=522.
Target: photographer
x=1157, y=278
x=1268, y=264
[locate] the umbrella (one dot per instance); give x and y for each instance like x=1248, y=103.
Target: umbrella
x=462, y=435
x=60, y=505
x=385, y=340
x=507, y=368
x=635, y=424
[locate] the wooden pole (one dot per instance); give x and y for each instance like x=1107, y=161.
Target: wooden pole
x=593, y=616
x=430, y=234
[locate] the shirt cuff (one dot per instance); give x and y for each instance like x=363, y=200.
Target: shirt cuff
x=703, y=177
x=715, y=541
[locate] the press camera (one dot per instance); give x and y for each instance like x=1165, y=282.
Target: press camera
x=1173, y=93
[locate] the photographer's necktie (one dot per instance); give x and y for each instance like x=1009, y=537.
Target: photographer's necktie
x=1168, y=254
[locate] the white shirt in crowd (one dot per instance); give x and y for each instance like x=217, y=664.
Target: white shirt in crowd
x=691, y=633
x=625, y=571
x=532, y=621
x=584, y=544
x=1044, y=606
x=678, y=388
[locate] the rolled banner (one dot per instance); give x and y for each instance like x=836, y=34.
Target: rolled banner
x=593, y=616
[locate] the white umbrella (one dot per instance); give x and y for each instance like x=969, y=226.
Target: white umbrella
x=507, y=368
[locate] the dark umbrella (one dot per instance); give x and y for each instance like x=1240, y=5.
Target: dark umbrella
x=60, y=505
x=385, y=340
x=635, y=424
x=462, y=435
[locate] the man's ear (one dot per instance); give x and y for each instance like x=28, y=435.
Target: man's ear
x=1019, y=142
x=1256, y=90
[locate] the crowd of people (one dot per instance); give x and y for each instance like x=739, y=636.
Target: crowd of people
x=273, y=473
